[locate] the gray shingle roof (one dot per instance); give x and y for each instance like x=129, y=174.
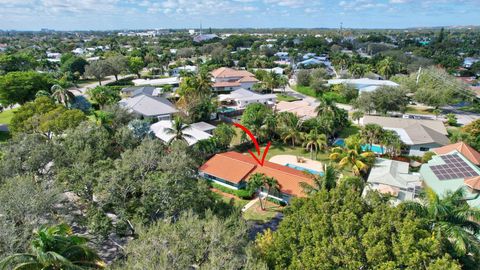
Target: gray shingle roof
x=149, y=105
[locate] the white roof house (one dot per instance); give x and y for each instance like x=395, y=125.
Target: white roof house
x=364, y=84
x=149, y=106
x=176, y=71
x=242, y=97
x=195, y=134
x=158, y=82
x=393, y=177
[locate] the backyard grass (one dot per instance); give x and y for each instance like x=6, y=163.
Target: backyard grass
x=419, y=110
x=6, y=116
x=287, y=98
x=255, y=213
x=227, y=198
x=306, y=90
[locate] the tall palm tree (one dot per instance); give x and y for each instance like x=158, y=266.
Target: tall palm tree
x=325, y=106
x=315, y=142
x=326, y=181
x=372, y=133
x=260, y=180
x=291, y=126
x=55, y=248
x=387, y=67
x=451, y=219
x=203, y=84
x=392, y=142
x=359, y=162
x=357, y=115
x=178, y=130
x=62, y=95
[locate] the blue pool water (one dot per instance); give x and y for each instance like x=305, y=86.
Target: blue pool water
x=375, y=148
x=303, y=169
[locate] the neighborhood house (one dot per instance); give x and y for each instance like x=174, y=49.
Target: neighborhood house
x=227, y=79
x=241, y=98
x=232, y=170
x=194, y=133
x=419, y=136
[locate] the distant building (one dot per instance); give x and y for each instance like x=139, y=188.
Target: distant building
x=204, y=37
x=241, y=98
x=364, y=84
x=282, y=56
x=188, y=69
x=228, y=79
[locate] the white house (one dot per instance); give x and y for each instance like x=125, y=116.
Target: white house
x=282, y=56
x=149, y=106
x=189, y=69
x=194, y=132
x=241, y=98
x=228, y=79
x=364, y=84
x=393, y=177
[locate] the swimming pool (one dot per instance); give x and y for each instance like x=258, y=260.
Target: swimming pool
x=293, y=166
x=366, y=147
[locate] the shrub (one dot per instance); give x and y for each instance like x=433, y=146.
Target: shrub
x=241, y=193
x=123, y=82
x=427, y=156
x=275, y=201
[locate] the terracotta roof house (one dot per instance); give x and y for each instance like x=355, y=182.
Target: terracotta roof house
x=465, y=149
x=419, y=136
x=232, y=170
x=228, y=79
x=451, y=171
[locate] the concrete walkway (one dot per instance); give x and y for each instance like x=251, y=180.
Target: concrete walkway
x=250, y=204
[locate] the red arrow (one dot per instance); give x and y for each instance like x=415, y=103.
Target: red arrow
x=257, y=147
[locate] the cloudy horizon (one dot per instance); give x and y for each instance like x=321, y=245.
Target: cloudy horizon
x=180, y=14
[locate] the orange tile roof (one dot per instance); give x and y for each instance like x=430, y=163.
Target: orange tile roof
x=225, y=72
x=473, y=182
x=235, y=167
x=465, y=149
x=248, y=79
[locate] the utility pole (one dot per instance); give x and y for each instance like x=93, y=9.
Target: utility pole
x=418, y=75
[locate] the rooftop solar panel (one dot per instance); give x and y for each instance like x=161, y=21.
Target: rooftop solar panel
x=454, y=168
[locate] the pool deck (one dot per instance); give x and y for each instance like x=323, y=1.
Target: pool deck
x=290, y=159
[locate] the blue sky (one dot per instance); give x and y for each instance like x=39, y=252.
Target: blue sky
x=143, y=14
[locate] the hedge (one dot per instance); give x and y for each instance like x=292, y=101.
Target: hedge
x=241, y=193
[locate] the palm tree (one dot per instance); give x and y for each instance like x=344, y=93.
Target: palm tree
x=315, y=142
x=203, y=84
x=392, y=142
x=325, y=106
x=372, y=133
x=291, y=126
x=178, y=130
x=387, y=67
x=55, y=248
x=260, y=180
x=360, y=162
x=357, y=115
x=451, y=219
x=326, y=181
x=359, y=70
x=62, y=95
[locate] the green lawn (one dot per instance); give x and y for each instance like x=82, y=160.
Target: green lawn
x=6, y=116
x=419, y=110
x=287, y=98
x=255, y=213
x=306, y=90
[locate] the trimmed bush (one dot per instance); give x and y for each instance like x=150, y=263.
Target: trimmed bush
x=241, y=193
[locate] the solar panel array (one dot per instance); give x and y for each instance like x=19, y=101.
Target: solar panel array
x=454, y=168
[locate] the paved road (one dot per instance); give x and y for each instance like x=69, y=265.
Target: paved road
x=82, y=90
x=463, y=118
